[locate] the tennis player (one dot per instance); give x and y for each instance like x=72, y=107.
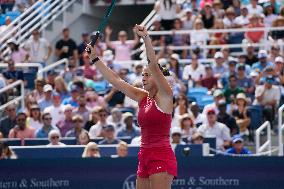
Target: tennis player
x=157, y=163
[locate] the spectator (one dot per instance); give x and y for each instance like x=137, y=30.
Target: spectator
x=204, y=3
x=232, y=71
x=278, y=35
x=279, y=69
x=251, y=58
x=73, y=100
x=128, y=129
x=254, y=36
x=29, y=101
x=7, y=5
x=109, y=137
x=66, y=124
x=263, y=63
x=219, y=68
x=243, y=81
x=78, y=127
x=243, y=19
x=254, y=8
x=219, y=37
x=207, y=15
x=174, y=66
x=274, y=52
x=108, y=57
x=47, y=100
x=91, y=151
x=93, y=100
x=176, y=133
x=218, y=95
x=46, y=127
x=187, y=126
x=39, y=48
x=116, y=118
x=54, y=138
x=178, y=39
x=4, y=28
x=188, y=19
x=231, y=92
x=9, y=121
x=83, y=138
x=215, y=129
x=230, y=19
x=137, y=73
x=88, y=69
x=197, y=116
x=269, y=15
x=18, y=54
x=242, y=114
x=61, y=88
x=56, y=110
x=194, y=71
x=114, y=98
x=82, y=46
x=236, y=4
x=167, y=10
x=122, y=48
x=209, y=80
x=122, y=149
x=198, y=36
x=218, y=10
x=97, y=129
x=82, y=109
x=38, y=93
x=51, y=75
x=6, y=152
x=197, y=138
x=21, y=130
x=268, y=96
x=35, y=120
x=227, y=119
x=242, y=62
x=182, y=105
x=66, y=47
x=12, y=74
x=70, y=72
x=238, y=146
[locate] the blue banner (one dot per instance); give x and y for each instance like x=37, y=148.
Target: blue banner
x=107, y=173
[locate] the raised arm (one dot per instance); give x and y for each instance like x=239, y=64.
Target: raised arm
x=163, y=85
x=112, y=77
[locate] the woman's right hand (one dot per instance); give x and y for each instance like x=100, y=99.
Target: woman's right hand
x=91, y=52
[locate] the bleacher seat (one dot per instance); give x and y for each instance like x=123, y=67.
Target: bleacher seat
x=35, y=152
x=12, y=141
x=197, y=93
x=256, y=116
x=2, y=19
x=205, y=100
x=13, y=14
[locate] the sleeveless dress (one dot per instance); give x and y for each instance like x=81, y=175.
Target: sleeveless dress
x=156, y=154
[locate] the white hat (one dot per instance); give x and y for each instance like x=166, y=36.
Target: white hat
x=218, y=55
x=175, y=56
x=126, y=115
x=254, y=73
x=108, y=55
x=262, y=54
x=12, y=40
x=162, y=61
x=279, y=59
x=47, y=88
x=176, y=130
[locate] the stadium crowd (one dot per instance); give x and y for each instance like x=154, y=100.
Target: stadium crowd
x=69, y=104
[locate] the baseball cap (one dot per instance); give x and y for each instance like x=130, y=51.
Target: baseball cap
x=109, y=127
x=218, y=55
x=267, y=4
x=74, y=88
x=222, y=103
x=237, y=138
x=12, y=40
x=262, y=54
x=47, y=88
x=34, y=106
x=241, y=96
x=127, y=115
x=175, y=56
x=211, y=111
x=279, y=59
x=217, y=93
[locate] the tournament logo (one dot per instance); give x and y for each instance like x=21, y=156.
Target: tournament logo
x=130, y=182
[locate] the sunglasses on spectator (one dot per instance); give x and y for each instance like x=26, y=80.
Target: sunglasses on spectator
x=21, y=119
x=211, y=113
x=12, y=109
x=48, y=118
x=91, y=100
x=78, y=121
x=55, y=137
x=94, y=149
x=102, y=115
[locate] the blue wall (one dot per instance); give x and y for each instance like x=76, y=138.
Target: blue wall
x=105, y=173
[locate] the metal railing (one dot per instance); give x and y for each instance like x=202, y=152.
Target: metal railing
x=267, y=144
x=20, y=98
x=23, y=65
x=51, y=66
x=38, y=16
x=265, y=44
x=280, y=130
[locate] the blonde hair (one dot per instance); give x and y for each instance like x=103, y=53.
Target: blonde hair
x=122, y=144
x=87, y=149
x=59, y=79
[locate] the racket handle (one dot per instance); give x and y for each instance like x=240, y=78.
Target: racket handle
x=94, y=39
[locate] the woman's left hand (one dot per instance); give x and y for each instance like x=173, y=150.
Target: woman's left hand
x=140, y=30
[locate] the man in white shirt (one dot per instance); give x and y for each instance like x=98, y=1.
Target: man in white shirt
x=243, y=19
x=218, y=95
x=215, y=129
x=56, y=110
x=97, y=129
x=195, y=70
x=268, y=96
x=254, y=8
x=38, y=48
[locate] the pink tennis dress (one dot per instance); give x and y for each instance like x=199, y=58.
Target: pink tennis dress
x=156, y=154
